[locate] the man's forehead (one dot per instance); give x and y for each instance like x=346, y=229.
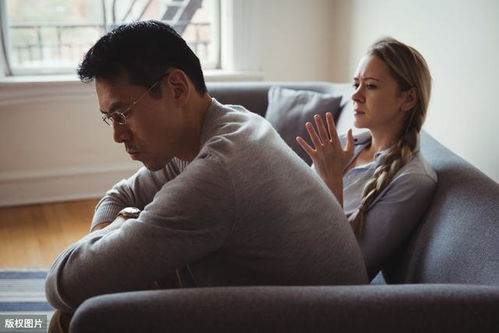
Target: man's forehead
x=110, y=93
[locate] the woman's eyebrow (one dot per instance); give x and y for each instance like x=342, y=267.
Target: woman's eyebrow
x=366, y=78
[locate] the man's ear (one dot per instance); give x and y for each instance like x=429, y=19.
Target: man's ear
x=178, y=83
x=410, y=99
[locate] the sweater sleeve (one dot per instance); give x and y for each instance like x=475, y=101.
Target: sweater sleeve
x=391, y=219
x=136, y=191
x=189, y=218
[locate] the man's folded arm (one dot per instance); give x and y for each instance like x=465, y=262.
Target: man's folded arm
x=136, y=191
x=189, y=219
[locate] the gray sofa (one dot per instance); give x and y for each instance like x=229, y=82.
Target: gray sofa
x=444, y=279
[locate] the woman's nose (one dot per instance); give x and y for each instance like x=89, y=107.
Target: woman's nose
x=357, y=95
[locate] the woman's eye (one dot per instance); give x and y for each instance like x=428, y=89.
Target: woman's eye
x=368, y=86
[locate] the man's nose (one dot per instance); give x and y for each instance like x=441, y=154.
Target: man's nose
x=121, y=133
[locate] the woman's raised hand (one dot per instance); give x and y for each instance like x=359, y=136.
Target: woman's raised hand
x=329, y=158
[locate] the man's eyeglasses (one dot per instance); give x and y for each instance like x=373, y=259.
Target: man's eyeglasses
x=120, y=117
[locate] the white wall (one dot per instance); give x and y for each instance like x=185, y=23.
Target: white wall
x=297, y=41
x=460, y=41
x=53, y=146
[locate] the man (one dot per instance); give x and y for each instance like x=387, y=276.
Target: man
x=222, y=201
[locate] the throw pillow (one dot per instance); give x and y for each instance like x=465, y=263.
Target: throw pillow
x=288, y=111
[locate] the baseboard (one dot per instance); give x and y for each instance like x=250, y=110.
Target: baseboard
x=72, y=183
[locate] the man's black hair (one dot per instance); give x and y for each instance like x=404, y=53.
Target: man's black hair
x=144, y=50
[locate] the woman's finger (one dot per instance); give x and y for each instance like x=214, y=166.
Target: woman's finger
x=321, y=128
x=349, y=145
x=331, y=127
x=313, y=135
x=305, y=146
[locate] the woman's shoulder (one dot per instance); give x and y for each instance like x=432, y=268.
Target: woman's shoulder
x=415, y=180
x=418, y=170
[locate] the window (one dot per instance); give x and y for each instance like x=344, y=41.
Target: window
x=51, y=36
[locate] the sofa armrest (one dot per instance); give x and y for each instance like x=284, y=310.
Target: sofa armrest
x=375, y=308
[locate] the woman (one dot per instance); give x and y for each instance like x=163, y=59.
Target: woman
x=379, y=177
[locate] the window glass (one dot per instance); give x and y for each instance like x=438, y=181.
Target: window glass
x=51, y=36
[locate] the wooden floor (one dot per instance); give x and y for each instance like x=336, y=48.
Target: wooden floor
x=32, y=236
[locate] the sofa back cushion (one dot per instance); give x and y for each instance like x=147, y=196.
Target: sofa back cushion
x=254, y=95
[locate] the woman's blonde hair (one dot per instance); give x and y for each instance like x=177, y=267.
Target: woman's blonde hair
x=409, y=69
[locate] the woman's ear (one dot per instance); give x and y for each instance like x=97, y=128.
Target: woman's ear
x=410, y=100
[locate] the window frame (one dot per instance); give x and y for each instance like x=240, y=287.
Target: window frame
x=8, y=70
x=242, y=33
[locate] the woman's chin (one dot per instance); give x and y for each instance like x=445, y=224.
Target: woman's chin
x=359, y=124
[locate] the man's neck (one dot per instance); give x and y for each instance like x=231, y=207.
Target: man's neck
x=195, y=120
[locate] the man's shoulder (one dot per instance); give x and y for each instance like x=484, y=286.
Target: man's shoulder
x=231, y=113
x=238, y=137
x=232, y=122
